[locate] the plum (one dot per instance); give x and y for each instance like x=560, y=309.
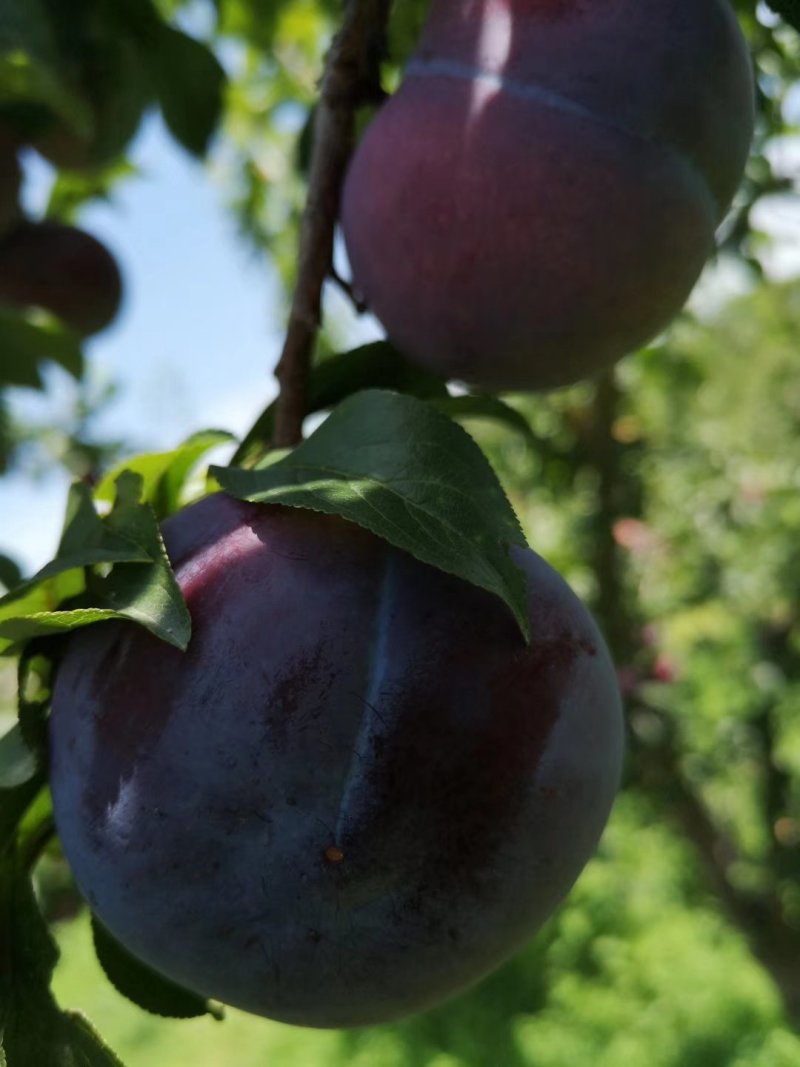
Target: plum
x=63, y=270
x=10, y=180
x=540, y=196
x=356, y=793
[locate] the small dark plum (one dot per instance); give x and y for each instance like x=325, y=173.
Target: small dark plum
x=10, y=180
x=540, y=195
x=63, y=270
x=356, y=793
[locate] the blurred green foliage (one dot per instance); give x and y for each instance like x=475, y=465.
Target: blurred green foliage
x=705, y=519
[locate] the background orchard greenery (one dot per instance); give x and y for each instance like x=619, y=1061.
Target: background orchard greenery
x=668, y=493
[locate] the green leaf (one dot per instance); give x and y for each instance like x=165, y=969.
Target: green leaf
x=397, y=467
x=116, y=82
x=788, y=10
x=18, y=764
x=164, y=474
x=86, y=540
x=254, y=20
x=35, y=1032
x=189, y=83
x=14, y=803
x=33, y=598
x=71, y=189
x=31, y=67
x=25, y=80
x=34, y=688
x=149, y=595
x=85, y=1044
x=484, y=406
x=27, y=339
x=50, y=623
x=106, y=66
x=10, y=574
x=36, y=824
x=28, y=956
x=372, y=366
x=26, y=27
x=141, y=984
x=139, y=586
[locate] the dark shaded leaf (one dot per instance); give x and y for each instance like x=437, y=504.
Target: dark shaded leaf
x=484, y=406
x=10, y=574
x=34, y=1030
x=189, y=83
x=788, y=10
x=372, y=366
x=34, y=678
x=14, y=803
x=18, y=763
x=33, y=85
x=25, y=342
x=141, y=984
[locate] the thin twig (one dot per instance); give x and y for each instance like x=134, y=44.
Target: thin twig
x=348, y=290
x=351, y=79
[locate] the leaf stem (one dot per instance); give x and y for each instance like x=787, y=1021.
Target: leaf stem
x=351, y=78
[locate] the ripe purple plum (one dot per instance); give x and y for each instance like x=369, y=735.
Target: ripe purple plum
x=63, y=270
x=541, y=194
x=356, y=793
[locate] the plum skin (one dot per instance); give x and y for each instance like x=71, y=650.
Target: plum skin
x=539, y=197
x=356, y=793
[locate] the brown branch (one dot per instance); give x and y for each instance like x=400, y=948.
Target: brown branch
x=351, y=79
x=604, y=455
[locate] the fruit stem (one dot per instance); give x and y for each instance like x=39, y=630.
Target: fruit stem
x=350, y=80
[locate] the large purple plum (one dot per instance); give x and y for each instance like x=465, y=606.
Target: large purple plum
x=356, y=793
x=539, y=197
